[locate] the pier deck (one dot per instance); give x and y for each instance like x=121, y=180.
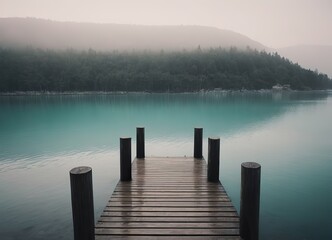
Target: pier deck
x=168, y=198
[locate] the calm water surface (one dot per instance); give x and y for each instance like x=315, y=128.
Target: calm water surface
x=43, y=137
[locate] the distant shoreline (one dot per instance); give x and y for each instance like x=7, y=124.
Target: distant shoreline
x=87, y=93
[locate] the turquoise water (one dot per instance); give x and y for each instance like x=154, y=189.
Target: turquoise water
x=43, y=137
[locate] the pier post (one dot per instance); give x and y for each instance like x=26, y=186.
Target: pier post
x=213, y=159
x=250, y=197
x=198, y=143
x=125, y=159
x=140, y=144
x=82, y=203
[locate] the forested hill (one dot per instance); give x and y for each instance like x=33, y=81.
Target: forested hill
x=40, y=70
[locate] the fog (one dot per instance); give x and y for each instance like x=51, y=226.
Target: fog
x=277, y=23
x=46, y=34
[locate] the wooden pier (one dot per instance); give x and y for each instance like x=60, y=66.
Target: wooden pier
x=170, y=198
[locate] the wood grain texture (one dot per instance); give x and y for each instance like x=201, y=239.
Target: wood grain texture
x=168, y=198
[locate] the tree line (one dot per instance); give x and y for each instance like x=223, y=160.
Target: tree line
x=184, y=71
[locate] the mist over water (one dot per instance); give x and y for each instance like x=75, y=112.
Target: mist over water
x=43, y=137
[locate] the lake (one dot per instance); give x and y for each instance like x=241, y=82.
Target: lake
x=288, y=133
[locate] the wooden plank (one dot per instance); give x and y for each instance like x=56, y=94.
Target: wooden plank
x=164, y=185
x=169, y=214
x=168, y=219
x=170, y=194
x=166, y=232
x=143, y=186
x=114, y=237
x=169, y=209
x=176, y=196
x=161, y=199
x=169, y=190
x=170, y=204
x=166, y=225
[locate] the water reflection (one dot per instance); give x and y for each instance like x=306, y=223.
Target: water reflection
x=37, y=125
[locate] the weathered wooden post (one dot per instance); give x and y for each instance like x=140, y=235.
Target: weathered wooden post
x=140, y=144
x=250, y=195
x=213, y=159
x=125, y=159
x=198, y=143
x=82, y=203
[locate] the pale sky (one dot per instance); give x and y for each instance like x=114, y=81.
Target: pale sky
x=274, y=23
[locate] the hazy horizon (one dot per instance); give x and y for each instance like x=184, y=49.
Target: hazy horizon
x=275, y=24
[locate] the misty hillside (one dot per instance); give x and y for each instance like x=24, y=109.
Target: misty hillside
x=183, y=71
x=310, y=56
x=46, y=34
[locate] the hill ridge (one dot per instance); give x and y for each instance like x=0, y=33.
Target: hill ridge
x=50, y=34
